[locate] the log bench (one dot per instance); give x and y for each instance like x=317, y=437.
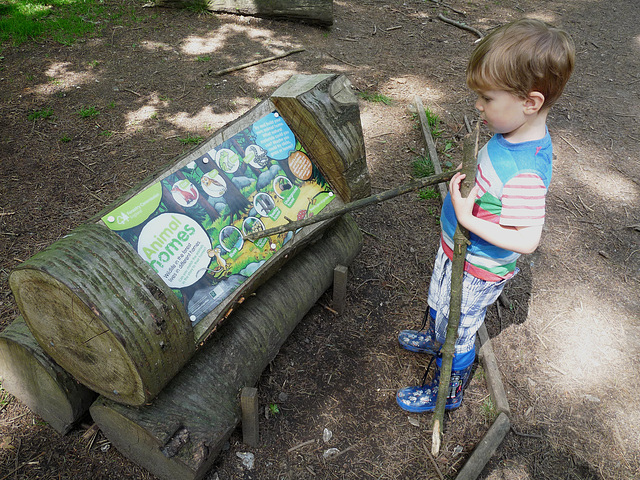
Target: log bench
x=113, y=319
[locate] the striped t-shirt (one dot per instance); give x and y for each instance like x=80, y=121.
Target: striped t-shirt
x=513, y=180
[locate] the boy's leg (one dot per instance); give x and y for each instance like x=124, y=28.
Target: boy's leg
x=425, y=340
x=477, y=296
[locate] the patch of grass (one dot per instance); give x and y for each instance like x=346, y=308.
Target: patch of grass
x=429, y=193
x=488, y=410
x=63, y=21
x=65, y=139
x=191, y=140
x=375, y=97
x=41, y=114
x=88, y=112
x=422, y=167
x=274, y=409
x=434, y=122
x=106, y=133
x=203, y=58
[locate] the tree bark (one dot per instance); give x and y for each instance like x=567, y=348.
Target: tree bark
x=180, y=434
x=30, y=375
x=318, y=12
x=323, y=112
x=102, y=313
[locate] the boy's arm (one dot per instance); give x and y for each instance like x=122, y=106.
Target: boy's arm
x=517, y=239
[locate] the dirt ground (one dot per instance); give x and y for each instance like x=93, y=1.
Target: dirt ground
x=568, y=342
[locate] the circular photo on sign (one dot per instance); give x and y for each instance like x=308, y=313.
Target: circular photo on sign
x=227, y=160
x=185, y=193
x=256, y=157
x=263, y=204
x=230, y=238
x=175, y=246
x=300, y=165
x=282, y=185
x=213, y=184
x=252, y=225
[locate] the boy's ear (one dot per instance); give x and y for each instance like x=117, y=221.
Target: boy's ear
x=533, y=103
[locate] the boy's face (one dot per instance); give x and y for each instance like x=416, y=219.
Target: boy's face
x=502, y=112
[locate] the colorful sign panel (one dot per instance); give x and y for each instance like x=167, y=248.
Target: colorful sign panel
x=189, y=226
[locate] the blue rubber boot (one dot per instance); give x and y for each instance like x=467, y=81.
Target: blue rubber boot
x=423, y=398
x=421, y=341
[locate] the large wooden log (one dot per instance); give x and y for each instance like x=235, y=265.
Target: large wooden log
x=323, y=112
x=30, y=375
x=180, y=434
x=318, y=12
x=103, y=313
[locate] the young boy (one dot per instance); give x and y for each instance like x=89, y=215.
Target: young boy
x=518, y=71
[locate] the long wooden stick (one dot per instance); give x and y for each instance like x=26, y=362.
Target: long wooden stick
x=349, y=207
x=255, y=62
x=461, y=25
x=460, y=242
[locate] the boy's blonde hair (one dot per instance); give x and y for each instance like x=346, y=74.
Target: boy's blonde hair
x=521, y=57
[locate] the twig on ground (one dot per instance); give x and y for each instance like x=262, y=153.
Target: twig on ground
x=569, y=143
x=341, y=60
x=461, y=12
x=255, y=62
x=527, y=435
x=461, y=25
x=433, y=461
x=84, y=165
x=300, y=445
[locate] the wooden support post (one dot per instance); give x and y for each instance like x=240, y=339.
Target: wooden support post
x=250, y=422
x=340, y=288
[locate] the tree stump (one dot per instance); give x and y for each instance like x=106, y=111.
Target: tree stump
x=113, y=319
x=318, y=12
x=32, y=376
x=180, y=434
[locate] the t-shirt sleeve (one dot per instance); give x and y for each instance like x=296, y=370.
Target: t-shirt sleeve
x=523, y=201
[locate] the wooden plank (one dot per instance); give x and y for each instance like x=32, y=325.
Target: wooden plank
x=431, y=146
x=485, y=449
x=492, y=372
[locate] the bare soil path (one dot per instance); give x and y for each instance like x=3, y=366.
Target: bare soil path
x=568, y=345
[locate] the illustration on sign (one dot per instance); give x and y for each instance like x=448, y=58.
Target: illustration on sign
x=189, y=226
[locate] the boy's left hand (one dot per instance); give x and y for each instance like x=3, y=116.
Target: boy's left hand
x=463, y=206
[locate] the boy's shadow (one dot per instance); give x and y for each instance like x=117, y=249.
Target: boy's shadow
x=512, y=307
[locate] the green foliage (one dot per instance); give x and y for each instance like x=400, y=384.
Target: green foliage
x=274, y=409
x=61, y=20
x=489, y=411
x=375, y=97
x=191, y=140
x=41, y=114
x=88, y=112
x=65, y=138
x=433, y=120
x=429, y=193
x=422, y=167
